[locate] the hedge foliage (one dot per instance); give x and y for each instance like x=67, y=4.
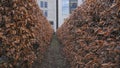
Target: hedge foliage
x=91, y=35
x=24, y=33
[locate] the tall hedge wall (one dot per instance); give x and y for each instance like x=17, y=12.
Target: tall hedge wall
x=24, y=33
x=91, y=35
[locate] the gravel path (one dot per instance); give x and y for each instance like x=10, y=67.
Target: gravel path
x=53, y=57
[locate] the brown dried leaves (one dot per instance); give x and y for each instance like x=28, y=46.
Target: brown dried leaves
x=24, y=33
x=91, y=36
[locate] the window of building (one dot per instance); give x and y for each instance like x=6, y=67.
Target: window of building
x=52, y=23
x=73, y=6
x=41, y=4
x=46, y=13
x=46, y=4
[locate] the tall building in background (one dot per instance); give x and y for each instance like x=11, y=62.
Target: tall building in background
x=65, y=9
x=56, y=11
x=48, y=8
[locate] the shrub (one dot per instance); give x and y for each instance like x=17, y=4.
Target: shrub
x=24, y=33
x=91, y=35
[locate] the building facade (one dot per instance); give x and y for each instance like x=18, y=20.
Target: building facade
x=56, y=11
x=49, y=10
x=65, y=9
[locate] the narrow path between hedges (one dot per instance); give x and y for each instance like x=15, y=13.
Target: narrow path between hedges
x=53, y=57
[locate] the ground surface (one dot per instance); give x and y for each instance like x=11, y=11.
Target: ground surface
x=53, y=57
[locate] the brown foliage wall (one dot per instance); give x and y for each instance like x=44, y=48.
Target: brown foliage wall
x=91, y=35
x=24, y=33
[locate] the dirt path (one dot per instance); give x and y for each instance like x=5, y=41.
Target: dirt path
x=53, y=57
